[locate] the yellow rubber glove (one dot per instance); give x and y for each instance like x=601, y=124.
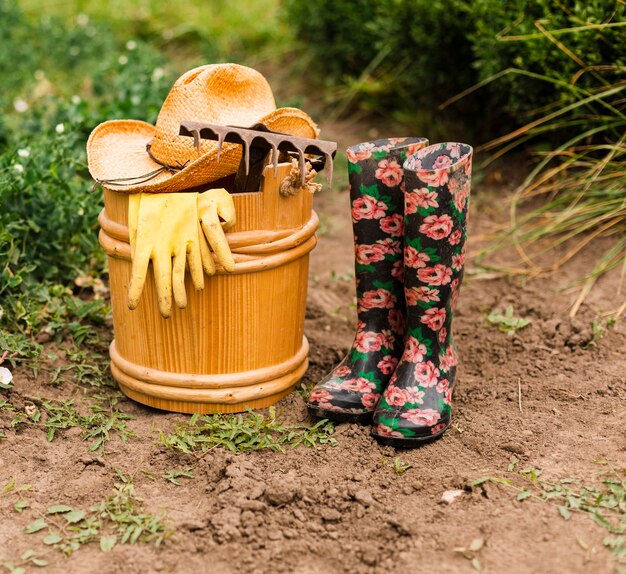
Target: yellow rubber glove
x=216, y=212
x=163, y=226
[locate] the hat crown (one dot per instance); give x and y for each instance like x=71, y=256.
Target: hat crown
x=227, y=94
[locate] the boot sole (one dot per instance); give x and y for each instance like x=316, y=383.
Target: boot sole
x=408, y=442
x=338, y=417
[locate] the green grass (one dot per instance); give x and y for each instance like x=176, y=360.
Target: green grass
x=102, y=422
x=118, y=519
x=245, y=433
x=602, y=500
x=576, y=192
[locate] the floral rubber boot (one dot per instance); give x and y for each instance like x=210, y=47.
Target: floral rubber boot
x=415, y=406
x=352, y=390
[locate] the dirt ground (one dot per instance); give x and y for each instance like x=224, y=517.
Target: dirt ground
x=548, y=397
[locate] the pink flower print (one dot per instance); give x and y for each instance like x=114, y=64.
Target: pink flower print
x=414, y=351
x=453, y=299
x=396, y=321
x=382, y=430
x=415, y=259
x=413, y=162
x=443, y=333
x=455, y=237
x=366, y=254
x=455, y=284
x=437, y=275
x=419, y=198
x=454, y=148
x=367, y=341
x=442, y=385
x=438, y=428
x=389, y=172
x=359, y=385
x=364, y=152
x=436, y=227
x=341, y=371
x=393, y=224
x=368, y=207
x=434, y=178
x=379, y=298
x=387, y=364
x=414, y=148
x=395, y=396
x=426, y=374
x=370, y=400
x=397, y=270
x=442, y=162
x=434, y=318
x=387, y=338
x=448, y=359
x=422, y=417
x=423, y=294
x=320, y=395
x=447, y=397
x=395, y=141
x=414, y=395
x=458, y=261
x=390, y=245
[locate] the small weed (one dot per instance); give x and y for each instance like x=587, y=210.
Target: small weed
x=174, y=475
x=27, y=558
x=98, y=426
x=245, y=433
x=507, y=323
x=119, y=518
x=604, y=502
x=471, y=552
x=399, y=466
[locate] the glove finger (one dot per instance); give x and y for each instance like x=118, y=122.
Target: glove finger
x=178, y=279
x=208, y=264
x=139, y=270
x=162, y=264
x=194, y=259
x=215, y=236
x=226, y=211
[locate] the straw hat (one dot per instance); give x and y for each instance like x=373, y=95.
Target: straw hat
x=134, y=156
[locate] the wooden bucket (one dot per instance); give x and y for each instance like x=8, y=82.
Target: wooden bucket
x=240, y=342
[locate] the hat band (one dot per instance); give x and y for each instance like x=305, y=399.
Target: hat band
x=139, y=179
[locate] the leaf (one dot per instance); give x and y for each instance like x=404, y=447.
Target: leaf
x=20, y=505
x=524, y=494
x=39, y=562
x=59, y=508
x=52, y=538
x=36, y=526
x=476, y=544
x=107, y=542
x=476, y=564
x=564, y=512
x=74, y=516
x=28, y=554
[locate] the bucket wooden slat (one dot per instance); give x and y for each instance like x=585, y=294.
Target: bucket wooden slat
x=240, y=327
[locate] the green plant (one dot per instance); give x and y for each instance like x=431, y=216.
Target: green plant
x=507, y=322
x=119, y=519
x=173, y=475
x=102, y=422
x=245, y=433
x=575, y=193
x=604, y=502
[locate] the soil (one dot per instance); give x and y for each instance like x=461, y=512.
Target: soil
x=550, y=396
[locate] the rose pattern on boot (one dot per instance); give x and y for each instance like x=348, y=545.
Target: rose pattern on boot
x=417, y=402
x=352, y=390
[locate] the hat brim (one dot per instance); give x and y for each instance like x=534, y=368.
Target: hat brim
x=117, y=155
